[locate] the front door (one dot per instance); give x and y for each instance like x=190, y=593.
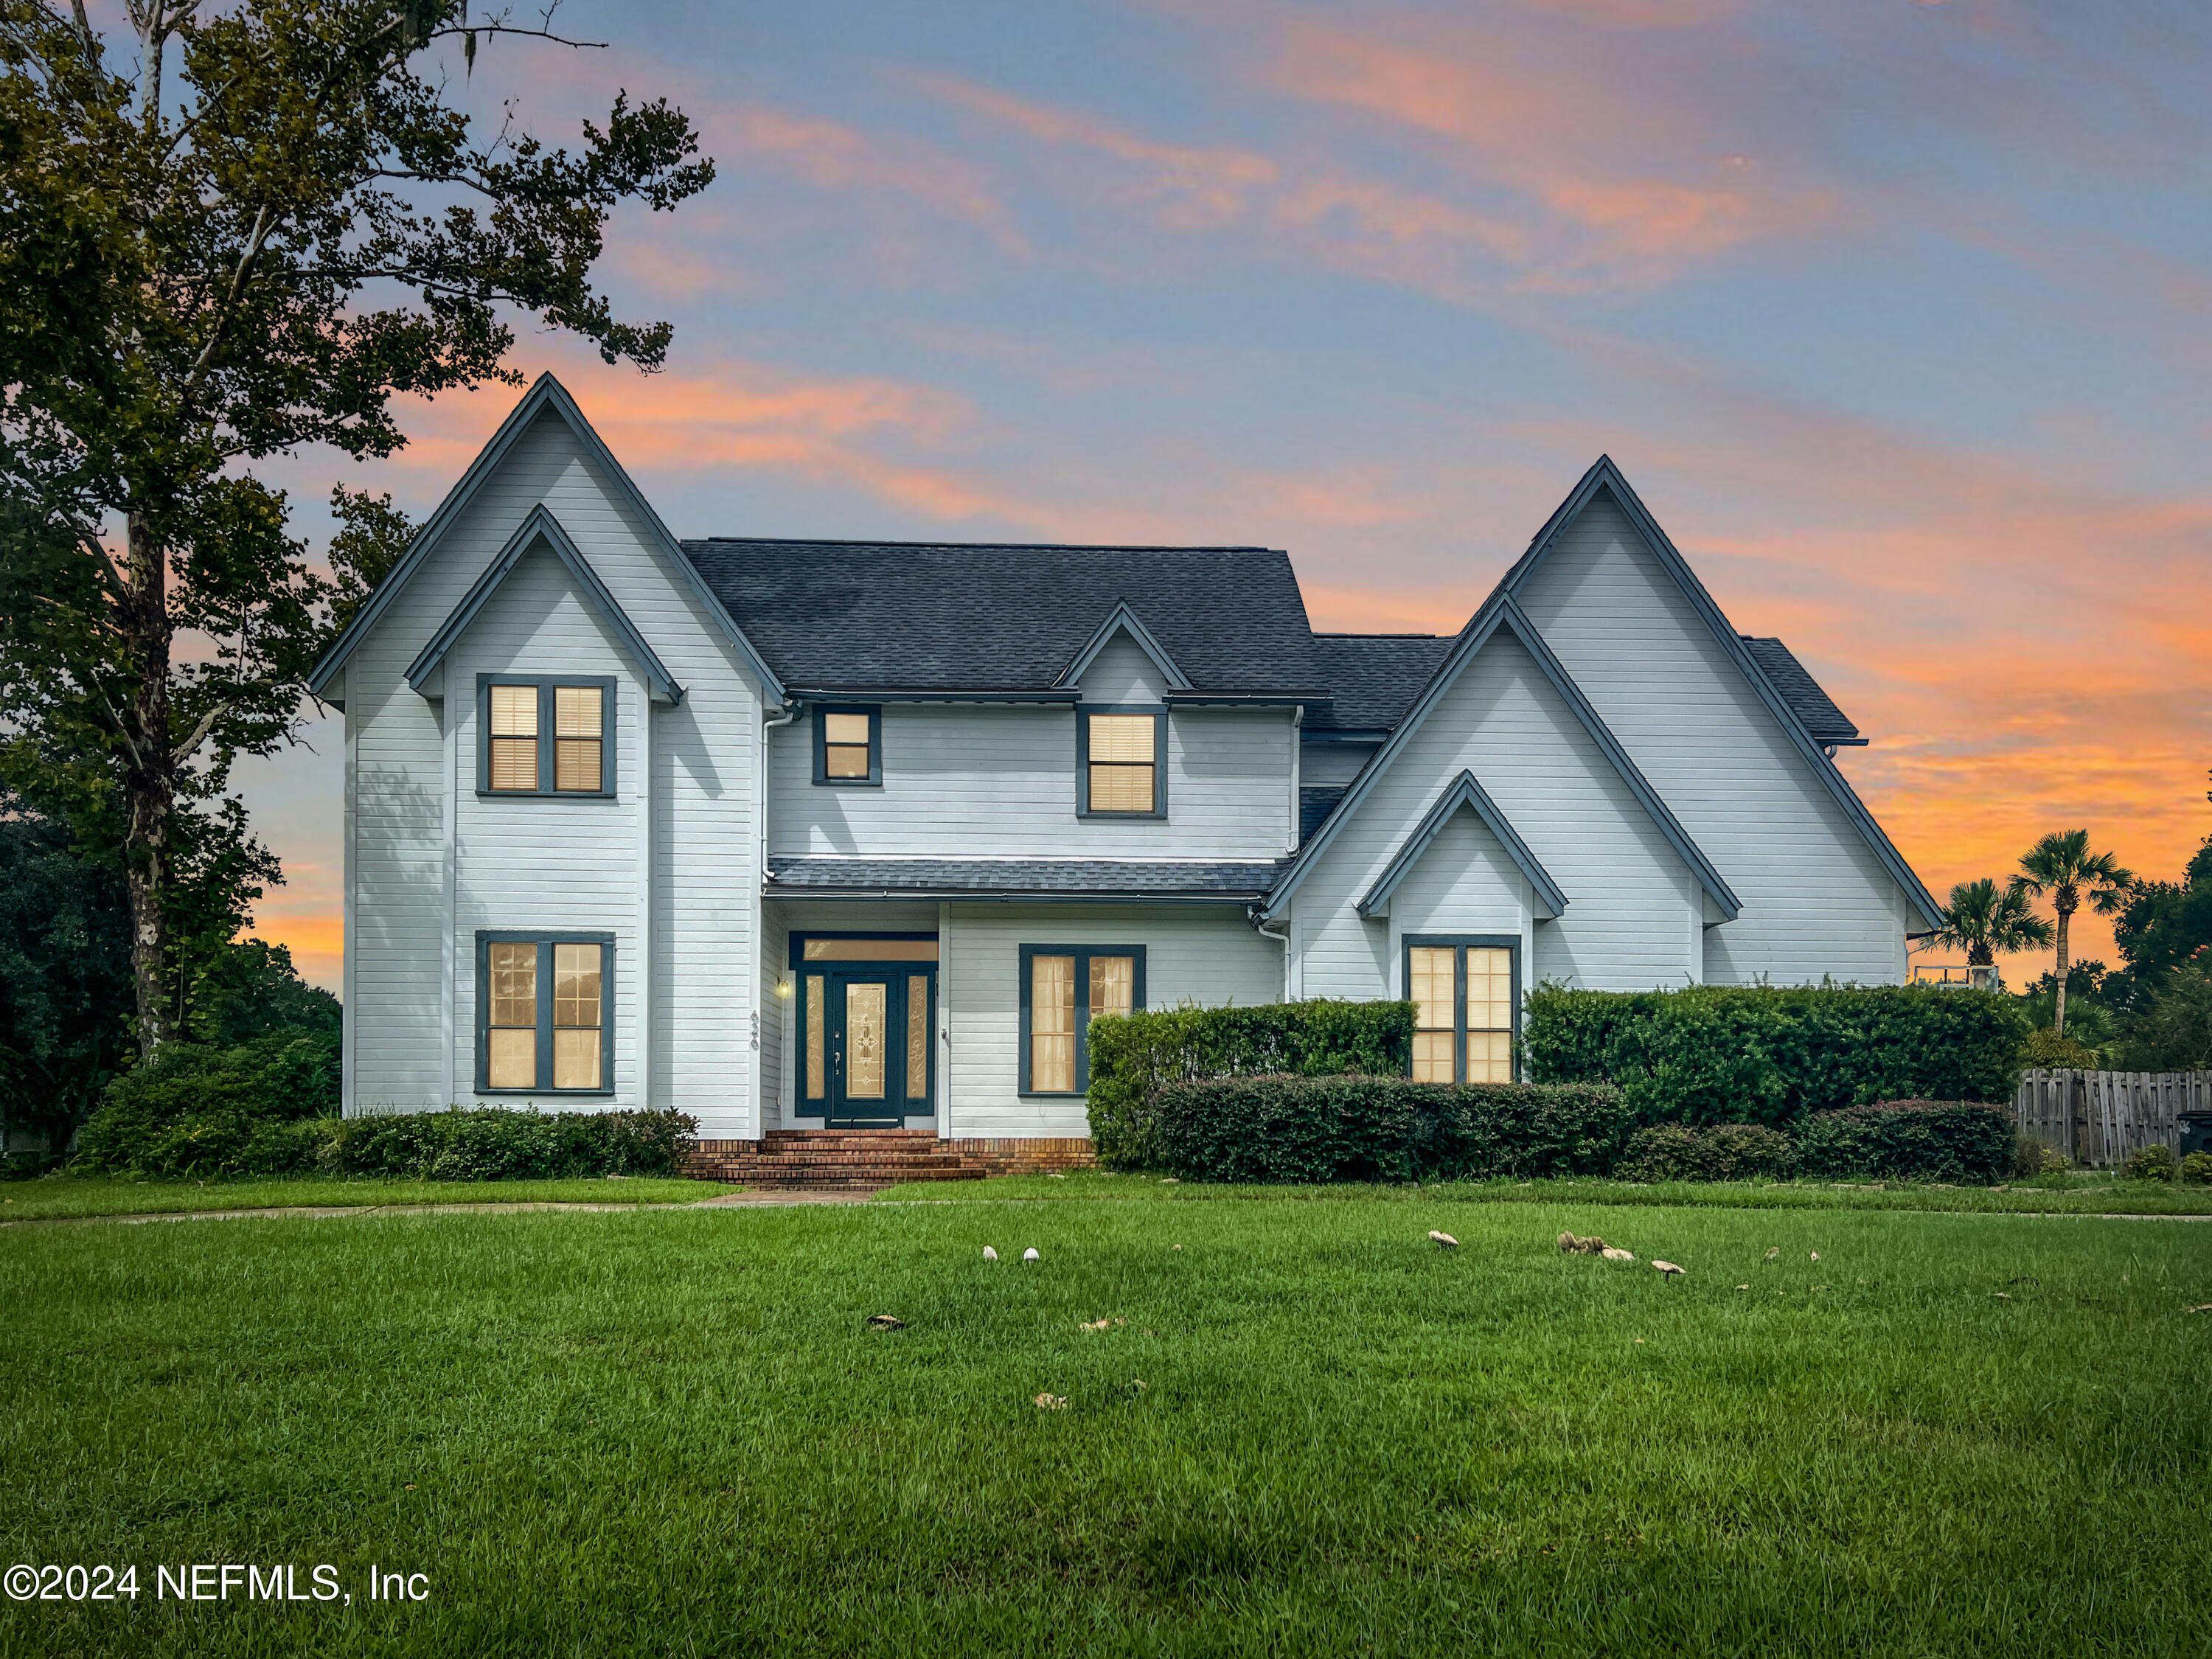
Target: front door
x=878, y=1052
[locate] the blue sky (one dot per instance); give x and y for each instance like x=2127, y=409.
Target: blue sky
x=1894, y=312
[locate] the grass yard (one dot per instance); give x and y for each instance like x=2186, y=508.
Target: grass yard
x=1305, y=1430
x=90, y=1196
x=2087, y=1193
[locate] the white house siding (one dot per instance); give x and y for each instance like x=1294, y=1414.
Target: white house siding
x=681, y=901
x=1204, y=955
x=1123, y=672
x=977, y=781
x=1631, y=917
x=1816, y=901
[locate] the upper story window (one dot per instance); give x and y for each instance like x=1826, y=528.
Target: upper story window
x=1117, y=762
x=544, y=736
x=848, y=746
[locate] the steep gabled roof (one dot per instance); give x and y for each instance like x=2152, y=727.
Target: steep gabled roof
x=1464, y=791
x=1604, y=476
x=1824, y=721
x=541, y=528
x=547, y=394
x=1500, y=610
x=1124, y=621
x=853, y=616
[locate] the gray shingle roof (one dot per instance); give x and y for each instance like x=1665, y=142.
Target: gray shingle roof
x=1095, y=878
x=1824, y=722
x=1376, y=678
x=926, y=616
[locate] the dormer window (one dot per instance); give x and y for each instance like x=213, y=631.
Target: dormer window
x=544, y=736
x=1118, y=762
x=848, y=747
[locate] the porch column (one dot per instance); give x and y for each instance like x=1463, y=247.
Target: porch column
x=944, y=1020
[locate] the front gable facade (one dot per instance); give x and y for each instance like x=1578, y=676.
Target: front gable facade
x=861, y=835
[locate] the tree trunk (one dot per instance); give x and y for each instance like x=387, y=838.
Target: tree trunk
x=2058, y=1018
x=150, y=784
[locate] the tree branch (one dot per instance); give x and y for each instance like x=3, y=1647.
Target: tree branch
x=508, y=28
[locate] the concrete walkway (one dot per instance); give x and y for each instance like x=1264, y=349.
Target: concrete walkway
x=756, y=1199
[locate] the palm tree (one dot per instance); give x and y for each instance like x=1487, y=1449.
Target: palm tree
x=2062, y=865
x=1982, y=921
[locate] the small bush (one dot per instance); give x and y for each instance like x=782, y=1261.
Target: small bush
x=1134, y=1056
x=1954, y=1141
x=2196, y=1170
x=2045, y=1049
x=1283, y=1128
x=1725, y=1151
x=1750, y=1054
x=2153, y=1162
x=2032, y=1157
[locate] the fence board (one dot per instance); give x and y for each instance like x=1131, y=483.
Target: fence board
x=2100, y=1117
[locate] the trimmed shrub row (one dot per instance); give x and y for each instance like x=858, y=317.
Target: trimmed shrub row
x=1134, y=1056
x=1725, y=1053
x=487, y=1145
x=1385, y=1128
x=1307, y=1129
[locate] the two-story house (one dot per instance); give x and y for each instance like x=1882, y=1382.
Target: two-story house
x=860, y=835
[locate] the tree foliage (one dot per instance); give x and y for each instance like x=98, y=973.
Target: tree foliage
x=2062, y=866
x=232, y=236
x=1981, y=920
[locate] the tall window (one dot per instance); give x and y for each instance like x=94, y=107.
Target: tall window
x=1064, y=987
x=544, y=736
x=1120, y=760
x=1465, y=994
x=544, y=1009
x=848, y=746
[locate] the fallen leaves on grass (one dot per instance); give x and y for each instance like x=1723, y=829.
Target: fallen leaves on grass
x=1573, y=1245
x=1102, y=1323
x=885, y=1322
x=1052, y=1402
x=1612, y=1255
x=1999, y=1296
x=1668, y=1268
x=2205, y=1307
x=1743, y=1287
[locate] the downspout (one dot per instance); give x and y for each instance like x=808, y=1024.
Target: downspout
x=1259, y=923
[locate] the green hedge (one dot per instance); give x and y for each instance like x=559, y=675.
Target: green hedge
x=1281, y=1128
x=1910, y=1140
x=1134, y=1056
x=1721, y=1053
x=1723, y=1151
x=493, y=1145
x=194, y=1109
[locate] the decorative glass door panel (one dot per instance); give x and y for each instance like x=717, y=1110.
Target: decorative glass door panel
x=868, y=1028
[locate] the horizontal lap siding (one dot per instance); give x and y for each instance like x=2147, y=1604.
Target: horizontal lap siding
x=1815, y=899
x=1630, y=917
x=557, y=865
x=1208, y=956
x=968, y=780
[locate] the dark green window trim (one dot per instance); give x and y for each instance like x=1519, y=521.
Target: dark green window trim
x=1460, y=944
x=1082, y=714
x=1082, y=953
x=875, y=713
x=546, y=685
x=486, y=938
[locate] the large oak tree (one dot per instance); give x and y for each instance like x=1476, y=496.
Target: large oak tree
x=237, y=234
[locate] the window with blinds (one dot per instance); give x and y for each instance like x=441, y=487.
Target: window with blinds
x=1119, y=762
x=544, y=736
x=1465, y=998
x=544, y=1008
x=1064, y=987
x=848, y=746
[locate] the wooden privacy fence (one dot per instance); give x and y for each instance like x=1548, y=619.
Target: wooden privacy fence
x=2099, y=1117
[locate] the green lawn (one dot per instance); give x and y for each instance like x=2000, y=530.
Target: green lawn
x=87, y=1196
x=2079, y=1192
x=671, y=1431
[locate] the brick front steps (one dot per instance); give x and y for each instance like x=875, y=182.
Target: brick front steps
x=875, y=1157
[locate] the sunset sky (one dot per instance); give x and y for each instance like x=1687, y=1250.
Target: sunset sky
x=1895, y=314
